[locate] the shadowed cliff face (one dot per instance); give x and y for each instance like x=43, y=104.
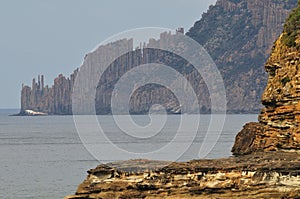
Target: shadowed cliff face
x=278, y=127
x=237, y=34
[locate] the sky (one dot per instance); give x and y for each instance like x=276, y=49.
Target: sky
x=52, y=37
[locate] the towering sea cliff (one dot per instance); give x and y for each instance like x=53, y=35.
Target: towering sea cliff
x=237, y=34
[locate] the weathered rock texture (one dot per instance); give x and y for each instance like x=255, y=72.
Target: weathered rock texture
x=237, y=34
x=262, y=175
x=279, y=121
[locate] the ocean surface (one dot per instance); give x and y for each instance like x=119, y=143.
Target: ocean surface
x=44, y=157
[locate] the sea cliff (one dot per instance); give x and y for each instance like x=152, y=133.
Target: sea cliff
x=239, y=35
x=55, y=100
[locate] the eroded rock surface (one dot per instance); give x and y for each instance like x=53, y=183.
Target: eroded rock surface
x=260, y=175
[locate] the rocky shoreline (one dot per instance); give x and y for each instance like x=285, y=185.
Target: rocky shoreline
x=259, y=175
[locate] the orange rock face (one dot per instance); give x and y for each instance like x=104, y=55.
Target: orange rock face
x=279, y=121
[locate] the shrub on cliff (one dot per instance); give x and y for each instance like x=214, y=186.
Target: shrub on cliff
x=291, y=28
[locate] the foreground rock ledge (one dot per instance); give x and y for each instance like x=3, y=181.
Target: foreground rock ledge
x=259, y=175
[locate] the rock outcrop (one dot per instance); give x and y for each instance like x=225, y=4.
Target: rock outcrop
x=262, y=175
x=279, y=122
x=237, y=34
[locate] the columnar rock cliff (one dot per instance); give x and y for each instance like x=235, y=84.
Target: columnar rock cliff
x=237, y=34
x=279, y=122
x=52, y=100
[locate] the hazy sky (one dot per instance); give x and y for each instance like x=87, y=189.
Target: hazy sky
x=52, y=37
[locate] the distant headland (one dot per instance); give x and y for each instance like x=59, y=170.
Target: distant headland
x=237, y=34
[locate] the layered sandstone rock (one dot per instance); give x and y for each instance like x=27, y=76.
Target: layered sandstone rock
x=262, y=175
x=279, y=121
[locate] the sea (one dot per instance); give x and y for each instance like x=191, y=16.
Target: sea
x=49, y=156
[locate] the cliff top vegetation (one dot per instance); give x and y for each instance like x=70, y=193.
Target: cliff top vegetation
x=291, y=28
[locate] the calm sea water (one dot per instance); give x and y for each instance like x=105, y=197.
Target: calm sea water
x=43, y=157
